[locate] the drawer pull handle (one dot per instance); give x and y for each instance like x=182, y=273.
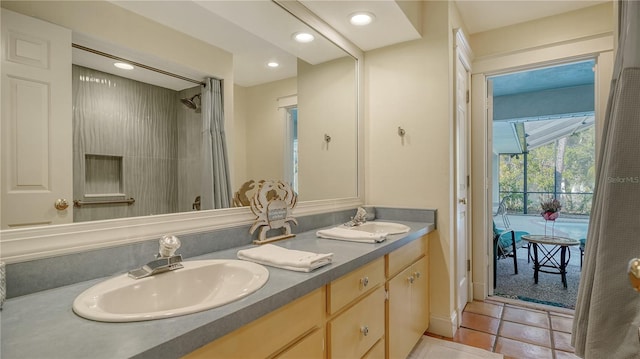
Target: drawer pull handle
x=411, y=279
x=365, y=281
x=364, y=330
x=417, y=274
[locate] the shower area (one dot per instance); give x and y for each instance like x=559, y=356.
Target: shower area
x=136, y=147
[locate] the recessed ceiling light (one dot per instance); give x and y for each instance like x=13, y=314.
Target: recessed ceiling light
x=273, y=64
x=361, y=18
x=303, y=37
x=124, y=66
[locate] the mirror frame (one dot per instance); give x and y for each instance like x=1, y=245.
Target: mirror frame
x=19, y=245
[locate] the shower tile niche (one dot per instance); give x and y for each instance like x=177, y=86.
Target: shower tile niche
x=125, y=147
x=103, y=176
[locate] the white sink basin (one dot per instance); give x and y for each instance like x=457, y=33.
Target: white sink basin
x=199, y=286
x=382, y=227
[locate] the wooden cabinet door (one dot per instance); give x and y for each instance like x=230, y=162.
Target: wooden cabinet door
x=408, y=308
x=400, y=326
x=420, y=298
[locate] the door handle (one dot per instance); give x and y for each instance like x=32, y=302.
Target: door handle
x=61, y=204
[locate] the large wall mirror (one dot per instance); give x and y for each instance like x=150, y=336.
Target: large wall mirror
x=136, y=136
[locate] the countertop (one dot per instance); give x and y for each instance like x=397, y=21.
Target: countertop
x=43, y=325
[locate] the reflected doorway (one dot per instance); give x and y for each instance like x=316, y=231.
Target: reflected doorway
x=291, y=147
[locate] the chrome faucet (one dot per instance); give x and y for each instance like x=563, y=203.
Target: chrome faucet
x=166, y=259
x=358, y=219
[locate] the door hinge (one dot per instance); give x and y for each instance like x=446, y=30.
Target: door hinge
x=386, y=295
x=468, y=95
x=468, y=265
x=468, y=181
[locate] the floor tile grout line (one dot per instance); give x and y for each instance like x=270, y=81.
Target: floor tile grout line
x=549, y=314
x=495, y=343
x=551, y=339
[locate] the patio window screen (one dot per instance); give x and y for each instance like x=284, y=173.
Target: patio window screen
x=563, y=169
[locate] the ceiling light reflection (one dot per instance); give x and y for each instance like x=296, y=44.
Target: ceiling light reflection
x=124, y=66
x=303, y=37
x=361, y=18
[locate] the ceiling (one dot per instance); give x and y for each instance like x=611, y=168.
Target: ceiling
x=553, y=77
x=255, y=32
x=540, y=131
x=391, y=24
x=258, y=31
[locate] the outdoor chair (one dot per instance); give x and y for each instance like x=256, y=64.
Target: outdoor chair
x=502, y=212
x=504, y=245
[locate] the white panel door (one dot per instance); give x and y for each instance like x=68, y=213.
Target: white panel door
x=36, y=122
x=462, y=183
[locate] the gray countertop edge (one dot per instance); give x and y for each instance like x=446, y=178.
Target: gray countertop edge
x=31, y=329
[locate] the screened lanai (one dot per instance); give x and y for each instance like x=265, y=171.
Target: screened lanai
x=544, y=138
x=543, y=148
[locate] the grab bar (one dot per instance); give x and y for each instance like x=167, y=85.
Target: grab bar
x=79, y=203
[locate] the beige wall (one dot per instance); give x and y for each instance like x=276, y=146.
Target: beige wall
x=583, y=23
x=410, y=85
x=327, y=105
x=239, y=141
x=260, y=128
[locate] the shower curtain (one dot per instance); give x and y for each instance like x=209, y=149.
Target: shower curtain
x=216, y=185
x=607, y=315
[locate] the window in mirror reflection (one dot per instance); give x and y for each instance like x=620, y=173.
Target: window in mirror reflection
x=291, y=148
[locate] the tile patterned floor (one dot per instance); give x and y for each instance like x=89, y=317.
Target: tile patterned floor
x=516, y=329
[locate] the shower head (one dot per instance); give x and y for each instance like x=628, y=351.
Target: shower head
x=191, y=102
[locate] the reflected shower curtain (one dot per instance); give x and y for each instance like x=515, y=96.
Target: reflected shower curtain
x=607, y=314
x=216, y=185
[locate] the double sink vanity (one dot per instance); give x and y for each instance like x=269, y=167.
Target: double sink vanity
x=372, y=301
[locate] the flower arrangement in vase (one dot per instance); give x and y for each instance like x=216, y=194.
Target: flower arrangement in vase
x=550, y=212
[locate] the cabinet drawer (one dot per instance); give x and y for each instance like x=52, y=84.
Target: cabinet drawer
x=377, y=352
x=269, y=334
x=355, y=331
x=402, y=257
x=311, y=347
x=347, y=288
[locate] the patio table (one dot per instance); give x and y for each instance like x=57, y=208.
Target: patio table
x=544, y=258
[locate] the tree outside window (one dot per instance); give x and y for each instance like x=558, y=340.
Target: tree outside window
x=564, y=169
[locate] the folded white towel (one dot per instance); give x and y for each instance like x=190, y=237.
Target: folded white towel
x=354, y=235
x=291, y=259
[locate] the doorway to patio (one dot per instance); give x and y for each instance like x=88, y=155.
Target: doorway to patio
x=543, y=149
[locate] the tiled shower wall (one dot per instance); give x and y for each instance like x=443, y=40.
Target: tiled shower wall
x=136, y=124
x=189, y=152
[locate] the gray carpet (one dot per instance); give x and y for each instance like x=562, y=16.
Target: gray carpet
x=549, y=289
